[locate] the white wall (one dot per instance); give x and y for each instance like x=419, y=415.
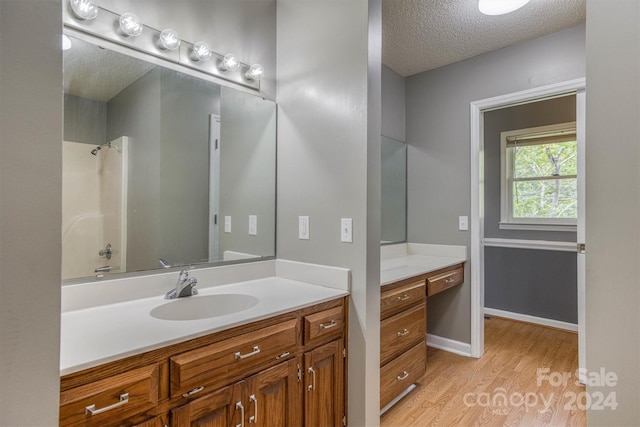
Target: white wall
x=30, y=211
x=439, y=182
x=329, y=162
x=613, y=204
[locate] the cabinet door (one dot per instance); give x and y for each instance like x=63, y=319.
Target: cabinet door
x=222, y=408
x=273, y=398
x=160, y=421
x=324, y=386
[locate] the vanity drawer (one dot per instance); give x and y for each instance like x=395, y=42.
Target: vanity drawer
x=112, y=399
x=219, y=363
x=445, y=280
x=401, y=372
x=326, y=323
x=402, y=331
x=400, y=298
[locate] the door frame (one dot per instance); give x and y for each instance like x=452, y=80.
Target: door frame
x=477, y=109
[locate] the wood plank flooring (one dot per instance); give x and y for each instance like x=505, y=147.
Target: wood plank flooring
x=503, y=388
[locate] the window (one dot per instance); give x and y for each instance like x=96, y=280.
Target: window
x=539, y=178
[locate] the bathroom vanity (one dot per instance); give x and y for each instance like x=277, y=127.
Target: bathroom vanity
x=410, y=274
x=277, y=357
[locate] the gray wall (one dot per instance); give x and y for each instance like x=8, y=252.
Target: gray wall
x=439, y=183
x=530, y=281
x=85, y=120
x=393, y=104
x=533, y=282
x=329, y=163
x=247, y=172
x=244, y=27
x=394, y=190
x=30, y=211
x=135, y=112
x=613, y=204
x=542, y=113
x=185, y=106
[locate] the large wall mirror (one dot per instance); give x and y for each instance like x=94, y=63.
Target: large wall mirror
x=394, y=191
x=161, y=169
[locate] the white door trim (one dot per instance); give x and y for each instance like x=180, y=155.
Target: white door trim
x=477, y=108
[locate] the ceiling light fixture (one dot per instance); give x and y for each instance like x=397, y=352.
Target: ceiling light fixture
x=255, y=72
x=229, y=62
x=84, y=9
x=169, y=39
x=130, y=25
x=201, y=52
x=500, y=7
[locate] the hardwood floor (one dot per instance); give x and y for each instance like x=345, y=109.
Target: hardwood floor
x=504, y=387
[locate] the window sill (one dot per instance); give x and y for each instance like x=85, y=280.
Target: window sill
x=537, y=227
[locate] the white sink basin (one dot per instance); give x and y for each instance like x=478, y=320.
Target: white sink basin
x=204, y=306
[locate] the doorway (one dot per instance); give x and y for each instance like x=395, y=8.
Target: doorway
x=477, y=112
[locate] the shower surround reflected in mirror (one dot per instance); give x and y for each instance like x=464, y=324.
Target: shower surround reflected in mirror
x=190, y=153
x=394, y=191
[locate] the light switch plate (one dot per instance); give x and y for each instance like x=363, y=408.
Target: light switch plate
x=227, y=224
x=346, y=230
x=303, y=227
x=253, y=225
x=463, y=223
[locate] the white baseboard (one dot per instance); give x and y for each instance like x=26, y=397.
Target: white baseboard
x=446, y=344
x=532, y=319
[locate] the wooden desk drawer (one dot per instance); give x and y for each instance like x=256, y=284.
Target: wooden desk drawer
x=213, y=364
x=323, y=324
x=401, y=372
x=402, y=331
x=400, y=298
x=111, y=400
x=445, y=280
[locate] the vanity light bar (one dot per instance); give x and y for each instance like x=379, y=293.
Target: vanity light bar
x=87, y=16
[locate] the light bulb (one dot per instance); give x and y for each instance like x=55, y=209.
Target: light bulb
x=84, y=9
x=500, y=7
x=169, y=39
x=201, y=52
x=255, y=72
x=130, y=24
x=229, y=62
x=66, y=42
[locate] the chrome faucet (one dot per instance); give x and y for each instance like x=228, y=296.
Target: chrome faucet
x=185, y=287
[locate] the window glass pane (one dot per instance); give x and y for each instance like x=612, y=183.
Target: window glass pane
x=545, y=160
x=549, y=198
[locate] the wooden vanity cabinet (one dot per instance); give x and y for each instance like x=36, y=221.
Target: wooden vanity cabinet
x=286, y=371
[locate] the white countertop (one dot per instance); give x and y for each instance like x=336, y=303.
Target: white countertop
x=403, y=267
x=96, y=335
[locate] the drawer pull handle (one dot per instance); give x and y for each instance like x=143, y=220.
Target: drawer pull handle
x=330, y=325
x=404, y=376
x=194, y=391
x=255, y=351
x=404, y=332
x=91, y=410
x=450, y=280
x=283, y=355
x=241, y=407
x=404, y=297
x=254, y=418
x=312, y=386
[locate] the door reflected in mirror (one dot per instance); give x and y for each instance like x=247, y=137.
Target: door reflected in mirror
x=161, y=169
x=394, y=191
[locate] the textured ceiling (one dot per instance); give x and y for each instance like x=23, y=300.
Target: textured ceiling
x=420, y=35
x=99, y=74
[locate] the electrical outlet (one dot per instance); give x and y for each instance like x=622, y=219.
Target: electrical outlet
x=303, y=227
x=253, y=225
x=227, y=224
x=463, y=223
x=346, y=230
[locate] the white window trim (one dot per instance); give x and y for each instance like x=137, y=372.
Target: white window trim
x=507, y=221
